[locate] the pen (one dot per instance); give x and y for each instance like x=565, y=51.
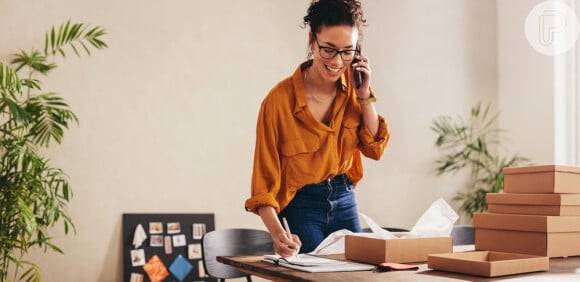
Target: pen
x=289, y=234
x=287, y=228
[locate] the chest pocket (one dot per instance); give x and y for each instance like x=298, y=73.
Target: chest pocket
x=348, y=141
x=308, y=144
x=297, y=155
x=351, y=124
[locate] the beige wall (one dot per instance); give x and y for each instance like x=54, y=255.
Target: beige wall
x=536, y=92
x=167, y=113
x=525, y=93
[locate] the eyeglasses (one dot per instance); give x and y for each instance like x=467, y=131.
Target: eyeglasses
x=329, y=52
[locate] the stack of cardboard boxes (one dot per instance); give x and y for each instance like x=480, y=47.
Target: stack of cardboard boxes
x=538, y=213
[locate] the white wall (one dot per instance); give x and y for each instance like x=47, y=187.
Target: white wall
x=429, y=59
x=167, y=113
x=535, y=92
x=525, y=86
x=576, y=87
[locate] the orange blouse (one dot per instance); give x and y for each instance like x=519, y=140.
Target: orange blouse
x=294, y=149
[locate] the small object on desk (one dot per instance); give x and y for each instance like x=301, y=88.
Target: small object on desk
x=391, y=266
x=310, y=263
x=488, y=263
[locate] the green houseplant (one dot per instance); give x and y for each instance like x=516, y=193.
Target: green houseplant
x=465, y=144
x=34, y=195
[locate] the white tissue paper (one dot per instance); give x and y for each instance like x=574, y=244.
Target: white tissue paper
x=436, y=221
x=139, y=236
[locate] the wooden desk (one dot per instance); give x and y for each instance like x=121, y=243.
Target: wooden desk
x=561, y=269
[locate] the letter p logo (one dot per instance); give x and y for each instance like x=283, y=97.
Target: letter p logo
x=552, y=28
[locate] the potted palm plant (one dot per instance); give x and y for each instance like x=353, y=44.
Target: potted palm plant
x=465, y=144
x=33, y=194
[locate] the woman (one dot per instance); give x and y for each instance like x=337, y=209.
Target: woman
x=311, y=131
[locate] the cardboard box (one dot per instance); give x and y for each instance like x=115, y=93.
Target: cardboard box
x=553, y=236
x=538, y=204
x=488, y=264
x=542, y=179
x=403, y=250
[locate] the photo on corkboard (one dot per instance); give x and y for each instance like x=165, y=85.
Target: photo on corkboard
x=155, y=227
x=156, y=241
x=173, y=227
x=137, y=257
x=198, y=230
x=194, y=251
x=179, y=240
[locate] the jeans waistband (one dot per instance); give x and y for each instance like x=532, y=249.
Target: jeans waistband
x=340, y=178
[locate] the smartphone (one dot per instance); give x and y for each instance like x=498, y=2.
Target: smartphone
x=358, y=75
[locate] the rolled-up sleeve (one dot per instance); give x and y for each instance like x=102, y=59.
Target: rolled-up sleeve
x=266, y=171
x=370, y=146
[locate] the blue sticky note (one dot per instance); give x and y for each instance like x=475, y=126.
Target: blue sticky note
x=180, y=268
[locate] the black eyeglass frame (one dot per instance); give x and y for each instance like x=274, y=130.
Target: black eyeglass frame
x=336, y=51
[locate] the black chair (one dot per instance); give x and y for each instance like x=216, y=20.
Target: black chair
x=233, y=242
x=463, y=235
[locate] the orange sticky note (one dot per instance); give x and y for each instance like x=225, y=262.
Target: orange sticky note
x=155, y=269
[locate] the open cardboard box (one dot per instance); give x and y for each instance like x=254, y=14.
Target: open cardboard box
x=533, y=204
x=553, y=236
x=400, y=250
x=488, y=264
x=542, y=179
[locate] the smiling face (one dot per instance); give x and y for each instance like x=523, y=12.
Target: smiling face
x=340, y=37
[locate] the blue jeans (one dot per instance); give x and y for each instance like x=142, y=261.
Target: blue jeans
x=320, y=209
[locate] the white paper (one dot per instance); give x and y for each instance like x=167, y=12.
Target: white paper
x=308, y=263
x=436, y=221
x=377, y=230
x=139, y=236
x=332, y=244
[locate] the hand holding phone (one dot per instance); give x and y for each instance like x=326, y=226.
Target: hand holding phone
x=358, y=75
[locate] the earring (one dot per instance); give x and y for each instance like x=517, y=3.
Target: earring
x=310, y=53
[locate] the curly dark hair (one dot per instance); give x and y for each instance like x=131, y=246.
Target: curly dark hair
x=333, y=13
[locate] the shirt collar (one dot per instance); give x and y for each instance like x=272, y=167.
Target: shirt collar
x=300, y=89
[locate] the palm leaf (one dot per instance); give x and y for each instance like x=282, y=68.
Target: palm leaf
x=32, y=274
x=51, y=115
x=68, y=34
x=31, y=83
x=34, y=195
x=18, y=114
x=466, y=144
x=35, y=60
x=10, y=84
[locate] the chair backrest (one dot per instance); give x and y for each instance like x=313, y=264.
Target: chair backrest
x=233, y=242
x=463, y=235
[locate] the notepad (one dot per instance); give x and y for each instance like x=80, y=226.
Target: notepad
x=310, y=263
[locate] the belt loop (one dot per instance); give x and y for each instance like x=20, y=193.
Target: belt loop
x=346, y=184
